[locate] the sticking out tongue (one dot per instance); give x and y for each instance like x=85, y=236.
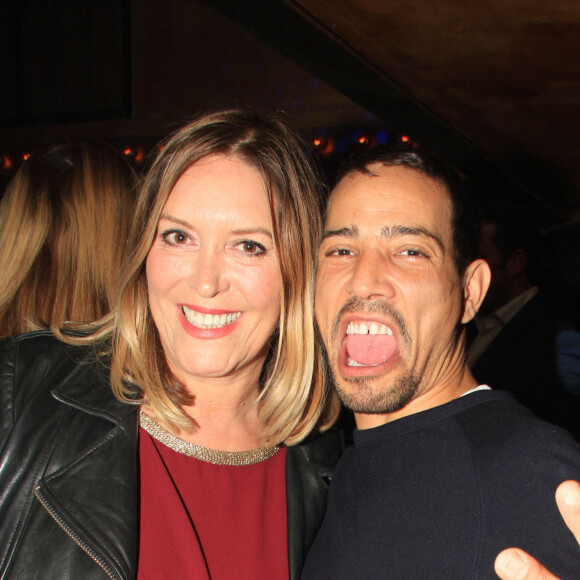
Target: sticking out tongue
x=370, y=349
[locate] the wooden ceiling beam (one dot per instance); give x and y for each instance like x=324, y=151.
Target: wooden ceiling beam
x=288, y=28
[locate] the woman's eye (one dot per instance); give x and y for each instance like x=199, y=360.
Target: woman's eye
x=174, y=237
x=250, y=247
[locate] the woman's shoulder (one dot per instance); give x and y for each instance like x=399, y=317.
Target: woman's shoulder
x=37, y=369
x=33, y=350
x=39, y=358
x=27, y=351
x=28, y=340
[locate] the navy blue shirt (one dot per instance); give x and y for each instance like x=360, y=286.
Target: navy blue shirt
x=440, y=493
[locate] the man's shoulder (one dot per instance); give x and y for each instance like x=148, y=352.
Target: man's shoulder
x=497, y=413
x=502, y=434
x=518, y=461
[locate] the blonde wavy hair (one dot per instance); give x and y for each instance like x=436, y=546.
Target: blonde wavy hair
x=64, y=221
x=295, y=396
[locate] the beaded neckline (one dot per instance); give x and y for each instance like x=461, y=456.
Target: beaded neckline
x=215, y=456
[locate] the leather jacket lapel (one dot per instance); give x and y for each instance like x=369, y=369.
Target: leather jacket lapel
x=93, y=499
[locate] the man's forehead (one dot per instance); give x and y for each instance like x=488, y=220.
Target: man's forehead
x=389, y=190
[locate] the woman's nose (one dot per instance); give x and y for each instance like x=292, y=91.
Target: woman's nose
x=209, y=274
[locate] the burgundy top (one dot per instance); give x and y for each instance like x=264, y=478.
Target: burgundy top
x=200, y=520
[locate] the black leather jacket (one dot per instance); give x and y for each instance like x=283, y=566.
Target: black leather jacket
x=68, y=469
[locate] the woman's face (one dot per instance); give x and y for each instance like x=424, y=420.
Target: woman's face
x=212, y=272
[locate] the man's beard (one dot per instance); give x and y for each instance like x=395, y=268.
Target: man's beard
x=367, y=395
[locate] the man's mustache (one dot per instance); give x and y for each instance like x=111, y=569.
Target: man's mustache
x=360, y=306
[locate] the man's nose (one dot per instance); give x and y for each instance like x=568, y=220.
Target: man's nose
x=372, y=276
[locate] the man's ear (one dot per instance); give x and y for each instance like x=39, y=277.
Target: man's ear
x=475, y=284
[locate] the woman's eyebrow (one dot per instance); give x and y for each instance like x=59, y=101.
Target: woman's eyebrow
x=176, y=220
x=249, y=231
x=237, y=232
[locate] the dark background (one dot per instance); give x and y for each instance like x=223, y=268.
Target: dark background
x=493, y=87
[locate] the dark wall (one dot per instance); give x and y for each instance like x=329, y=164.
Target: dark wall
x=64, y=61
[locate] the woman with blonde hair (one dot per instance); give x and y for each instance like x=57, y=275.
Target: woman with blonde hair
x=212, y=459
x=64, y=221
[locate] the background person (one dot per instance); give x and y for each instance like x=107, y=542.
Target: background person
x=521, y=327
x=64, y=222
x=211, y=349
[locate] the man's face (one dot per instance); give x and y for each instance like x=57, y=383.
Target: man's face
x=388, y=296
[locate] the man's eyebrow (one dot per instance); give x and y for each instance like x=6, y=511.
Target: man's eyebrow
x=397, y=231
x=386, y=232
x=351, y=232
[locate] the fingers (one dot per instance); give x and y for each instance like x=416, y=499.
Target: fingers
x=568, y=500
x=515, y=564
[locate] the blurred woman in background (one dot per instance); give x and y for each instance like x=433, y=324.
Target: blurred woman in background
x=64, y=221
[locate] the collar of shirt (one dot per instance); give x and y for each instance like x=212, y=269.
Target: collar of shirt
x=503, y=315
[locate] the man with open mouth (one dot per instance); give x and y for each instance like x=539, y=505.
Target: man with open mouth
x=444, y=472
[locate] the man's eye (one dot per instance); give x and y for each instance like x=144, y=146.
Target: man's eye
x=412, y=252
x=339, y=252
x=174, y=237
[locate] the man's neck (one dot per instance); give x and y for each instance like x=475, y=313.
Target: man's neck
x=439, y=394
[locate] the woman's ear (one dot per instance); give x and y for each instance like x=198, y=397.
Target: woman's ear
x=475, y=284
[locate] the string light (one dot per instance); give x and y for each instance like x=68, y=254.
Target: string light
x=135, y=154
x=323, y=145
x=330, y=144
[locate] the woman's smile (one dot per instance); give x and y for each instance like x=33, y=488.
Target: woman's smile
x=207, y=320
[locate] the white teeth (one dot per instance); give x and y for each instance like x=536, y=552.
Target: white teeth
x=363, y=328
x=352, y=363
x=209, y=321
